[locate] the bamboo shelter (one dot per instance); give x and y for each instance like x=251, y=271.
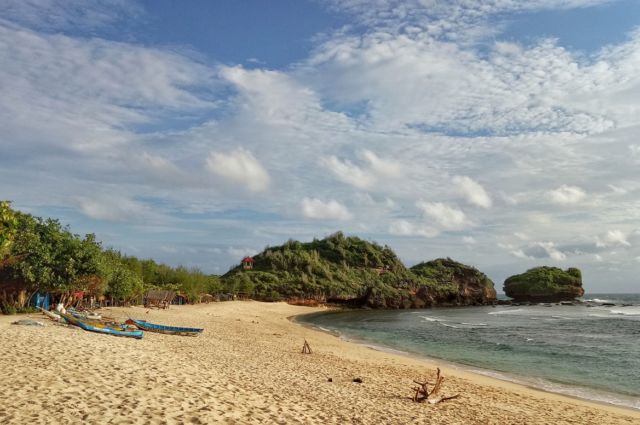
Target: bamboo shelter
x=158, y=298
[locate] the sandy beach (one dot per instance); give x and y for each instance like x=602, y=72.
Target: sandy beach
x=247, y=368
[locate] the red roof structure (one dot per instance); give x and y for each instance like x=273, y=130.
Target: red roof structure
x=246, y=260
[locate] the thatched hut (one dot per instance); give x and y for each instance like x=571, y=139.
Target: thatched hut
x=159, y=298
x=207, y=298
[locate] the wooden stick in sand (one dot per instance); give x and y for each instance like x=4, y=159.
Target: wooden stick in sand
x=306, y=348
x=422, y=392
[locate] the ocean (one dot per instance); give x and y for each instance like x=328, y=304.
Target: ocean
x=591, y=352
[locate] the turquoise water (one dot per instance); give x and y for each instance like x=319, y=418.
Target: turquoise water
x=589, y=352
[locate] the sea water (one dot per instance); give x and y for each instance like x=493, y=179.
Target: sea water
x=591, y=352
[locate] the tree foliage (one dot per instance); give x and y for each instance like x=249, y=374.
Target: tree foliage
x=47, y=256
x=8, y=228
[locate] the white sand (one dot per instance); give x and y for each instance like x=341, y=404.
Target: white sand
x=247, y=368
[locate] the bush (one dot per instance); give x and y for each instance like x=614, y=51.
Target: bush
x=26, y=309
x=8, y=309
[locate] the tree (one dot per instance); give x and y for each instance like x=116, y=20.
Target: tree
x=51, y=257
x=123, y=284
x=8, y=229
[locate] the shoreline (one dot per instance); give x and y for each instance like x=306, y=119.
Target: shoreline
x=499, y=376
x=247, y=367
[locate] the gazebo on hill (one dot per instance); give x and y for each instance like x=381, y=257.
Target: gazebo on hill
x=247, y=263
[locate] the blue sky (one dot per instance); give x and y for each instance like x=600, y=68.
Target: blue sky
x=503, y=134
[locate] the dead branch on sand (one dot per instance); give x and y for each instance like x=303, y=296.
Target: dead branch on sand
x=423, y=394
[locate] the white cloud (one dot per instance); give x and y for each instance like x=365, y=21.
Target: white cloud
x=85, y=93
x=241, y=167
x=618, y=190
x=613, y=238
x=375, y=171
x=386, y=168
x=445, y=215
x=348, y=172
x=332, y=210
x=522, y=236
x=406, y=228
x=519, y=253
x=508, y=90
x=565, y=195
x=469, y=240
x=113, y=208
x=549, y=248
x=536, y=250
x=473, y=191
x=554, y=253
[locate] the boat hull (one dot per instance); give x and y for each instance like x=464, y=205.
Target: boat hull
x=102, y=328
x=169, y=330
x=51, y=315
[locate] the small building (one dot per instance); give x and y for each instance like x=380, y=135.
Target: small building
x=247, y=263
x=180, y=299
x=159, y=298
x=206, y=298
x=42, y=300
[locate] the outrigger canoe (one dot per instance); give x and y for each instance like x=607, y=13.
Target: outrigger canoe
x=52, y=315
x=171, y=330
x=84, y=314
x=102, y=328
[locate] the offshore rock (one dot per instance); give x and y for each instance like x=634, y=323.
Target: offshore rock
x=448, y=282
x=545, y=284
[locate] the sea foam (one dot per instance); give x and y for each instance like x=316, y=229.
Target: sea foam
x=518, y=310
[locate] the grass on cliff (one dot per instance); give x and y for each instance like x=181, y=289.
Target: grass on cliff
x=344, y=267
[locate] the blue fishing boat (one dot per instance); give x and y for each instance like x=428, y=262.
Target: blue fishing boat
x=117, y=330
x=171, y=330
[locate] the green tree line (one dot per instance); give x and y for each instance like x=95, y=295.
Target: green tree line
x=43, y=255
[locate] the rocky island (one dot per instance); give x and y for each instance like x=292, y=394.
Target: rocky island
x=351, y=271
x=454, y=283
x=545, y=284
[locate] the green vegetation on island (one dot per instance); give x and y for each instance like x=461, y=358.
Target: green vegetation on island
x=545, y=284
x=353, y=271
x=455, y=283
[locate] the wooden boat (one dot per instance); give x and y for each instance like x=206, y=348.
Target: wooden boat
x=171, y=330
x=52, y=315
x=102, y=328
x=84, y=314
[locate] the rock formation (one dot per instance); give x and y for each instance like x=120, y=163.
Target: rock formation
x=545, y=284
x=357, y=273
x=454, y=283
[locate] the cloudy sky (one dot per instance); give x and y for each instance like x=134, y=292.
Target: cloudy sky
x=502, y=133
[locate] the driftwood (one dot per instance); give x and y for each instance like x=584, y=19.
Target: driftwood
x=423, y=394
x=306, y=348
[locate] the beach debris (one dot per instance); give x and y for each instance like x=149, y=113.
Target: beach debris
x=330, y=380
x=28, y=322
x=357, y=380
x=423, y=394
x=306, y=348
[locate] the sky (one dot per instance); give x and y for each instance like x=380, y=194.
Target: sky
x=503, y=134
